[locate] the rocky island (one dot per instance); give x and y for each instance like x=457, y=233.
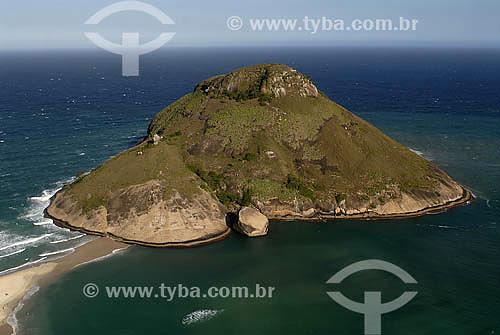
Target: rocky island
x=262, y=138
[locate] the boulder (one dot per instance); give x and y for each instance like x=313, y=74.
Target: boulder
x=251, y=222
x=156, y=139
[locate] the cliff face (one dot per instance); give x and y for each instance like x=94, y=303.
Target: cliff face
x=144, y=195
x=139, y=214
x=406, y=205
x=262, y=136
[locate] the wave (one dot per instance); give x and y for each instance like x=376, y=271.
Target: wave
x=43, y=223
x=56, y=252
x=420, y=153
x=443, y=226
x=478, y=194
x=68, y=239
x=24, y=242
x=114, y=252
x=12, y=319
x=37, y=204
x=200, y=316
x=22, y=266
x=46, y=195
x=34, y=211
x=13, y=253
x=491, y=203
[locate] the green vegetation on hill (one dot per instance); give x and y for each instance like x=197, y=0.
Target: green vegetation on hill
x=260, y=133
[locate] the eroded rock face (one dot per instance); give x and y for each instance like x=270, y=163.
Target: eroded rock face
x=251, y=222
x=141, y=215
x=449, y=194
x=274, y=79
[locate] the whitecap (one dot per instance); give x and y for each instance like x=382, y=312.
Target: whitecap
x=24, y=242
x=22, y=266
x=200, y=316
x=420, y=153
x=43, y=223
x=46, y=195
x=114, y=252
x=56, y=252
x=442, y=226
x=12, y=319
x=68, y=239
x=37, y=204
x=12, y=253
x=34, y=211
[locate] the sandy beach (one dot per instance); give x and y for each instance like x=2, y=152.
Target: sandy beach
x=14, y=286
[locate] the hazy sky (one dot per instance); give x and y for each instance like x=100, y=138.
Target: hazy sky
x=38, y=24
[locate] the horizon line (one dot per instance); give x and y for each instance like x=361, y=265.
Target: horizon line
x=433, y=45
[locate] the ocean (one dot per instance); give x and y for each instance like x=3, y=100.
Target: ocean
x=67, y=111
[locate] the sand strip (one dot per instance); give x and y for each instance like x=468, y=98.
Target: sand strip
x=14, y=286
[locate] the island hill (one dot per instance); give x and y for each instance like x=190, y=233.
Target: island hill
x=262, y=138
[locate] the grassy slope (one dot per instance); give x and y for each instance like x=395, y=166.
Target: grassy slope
x=162, y=162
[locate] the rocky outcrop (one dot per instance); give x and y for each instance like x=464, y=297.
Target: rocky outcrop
x=274, y=79
x=406, y=205
x=139, y=214
x=251, y=222
x=260, y=136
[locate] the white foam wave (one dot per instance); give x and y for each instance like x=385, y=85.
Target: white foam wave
x=442, y=226
x=24, y=242
x=12, y=253
x=12, y=319
x=114, y=252
x=37, y=204
x=46, y=195
x=22, y=266
x=43, y=223
x=67, y=239
x=420, y=153
x=200, y=316
x=56, y=252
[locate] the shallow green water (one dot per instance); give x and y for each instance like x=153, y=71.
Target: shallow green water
x=453, y=265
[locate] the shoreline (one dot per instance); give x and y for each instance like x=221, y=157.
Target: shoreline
x=16, y=285
x=464, y=199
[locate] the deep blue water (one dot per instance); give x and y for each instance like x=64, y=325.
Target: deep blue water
x=62, y=112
